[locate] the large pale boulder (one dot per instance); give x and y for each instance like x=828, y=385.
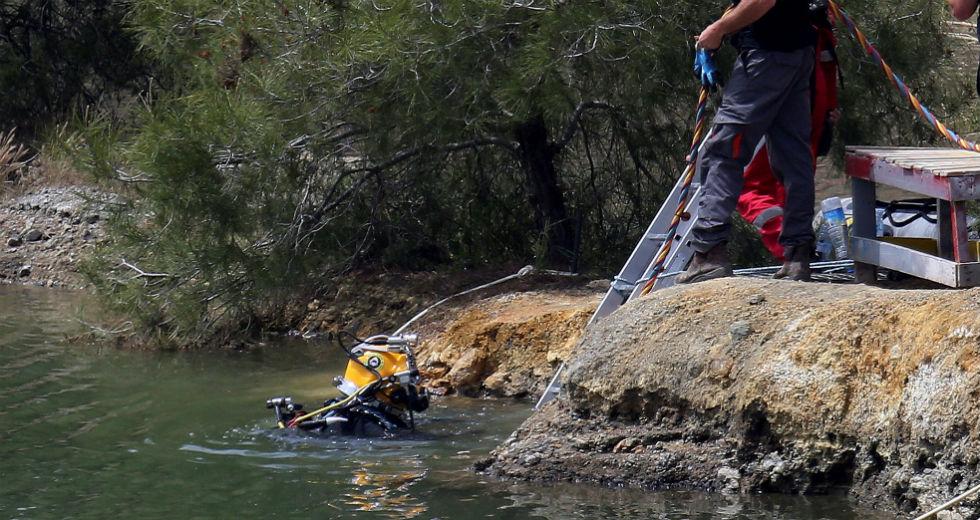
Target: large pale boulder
x=748, y=385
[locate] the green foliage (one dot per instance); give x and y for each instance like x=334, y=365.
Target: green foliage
x=301, y=139
x=57, y=56
x=911, y=36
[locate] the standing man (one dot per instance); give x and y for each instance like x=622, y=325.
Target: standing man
x=768, y=96
x=763, y=197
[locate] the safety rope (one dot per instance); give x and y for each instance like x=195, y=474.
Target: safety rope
x=688, y=176
x=525, y=271
x=926, y=115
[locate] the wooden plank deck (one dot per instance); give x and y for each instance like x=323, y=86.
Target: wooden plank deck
x=940, y=162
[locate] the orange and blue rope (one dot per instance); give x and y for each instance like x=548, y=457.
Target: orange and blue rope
x=897, y=82
x=685, y=194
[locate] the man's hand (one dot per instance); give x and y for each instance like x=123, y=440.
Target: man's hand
x=710, y=39
x=705, y=70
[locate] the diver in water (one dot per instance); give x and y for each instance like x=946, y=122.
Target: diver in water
x=380, y=392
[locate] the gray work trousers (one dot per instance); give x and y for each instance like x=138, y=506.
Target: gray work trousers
x=768, y=96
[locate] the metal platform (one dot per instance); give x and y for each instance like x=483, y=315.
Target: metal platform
x=837, y=271
x=950, y=176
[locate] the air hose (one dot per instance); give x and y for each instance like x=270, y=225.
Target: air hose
x=524, y=271
x=334, y=406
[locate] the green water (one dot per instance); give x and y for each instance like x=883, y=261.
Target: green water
x=87, y=431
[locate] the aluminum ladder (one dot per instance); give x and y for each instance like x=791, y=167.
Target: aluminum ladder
x=628, y=284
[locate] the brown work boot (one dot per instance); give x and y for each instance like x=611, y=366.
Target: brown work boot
x=797, y=264
x=707, y=266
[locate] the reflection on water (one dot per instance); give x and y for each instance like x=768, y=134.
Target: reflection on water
x=388, y=493
x=89, y=432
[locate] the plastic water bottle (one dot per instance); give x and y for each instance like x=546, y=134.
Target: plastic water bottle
x=880, y=222
x=833, y=216
x=824, y=249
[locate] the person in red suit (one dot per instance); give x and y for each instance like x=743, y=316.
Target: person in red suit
x=763, y=196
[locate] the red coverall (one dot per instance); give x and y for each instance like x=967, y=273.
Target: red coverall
x=761, y=202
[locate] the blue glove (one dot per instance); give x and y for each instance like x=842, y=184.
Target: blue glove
x=705, y=70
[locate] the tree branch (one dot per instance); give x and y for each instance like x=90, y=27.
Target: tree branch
x=572, y=126
x=404, y=155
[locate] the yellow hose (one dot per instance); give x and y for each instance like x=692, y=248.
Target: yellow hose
x=325, y=409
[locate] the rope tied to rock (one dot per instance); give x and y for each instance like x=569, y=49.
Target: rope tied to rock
x=523, y=272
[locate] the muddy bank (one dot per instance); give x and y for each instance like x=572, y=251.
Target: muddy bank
x=46, y=232
x=758, y=386
x=506, y=345
x=503, y=341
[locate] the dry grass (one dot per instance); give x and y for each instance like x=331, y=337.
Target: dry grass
x=47, y=169
x=13, y=157
x=53, y=172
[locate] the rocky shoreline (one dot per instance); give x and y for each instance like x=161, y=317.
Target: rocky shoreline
x=506, y=345
x=758, y=386
x=45, y=233
x=733, y=386
x=504, y=341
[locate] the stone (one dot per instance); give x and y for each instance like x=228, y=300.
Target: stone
x=627, y=445
x=756, y=299
x=92, y=219
x=740, y=330
x=468, y=371
x=438, y=387
x=893, y=419
x=15, y=241
x=598, y=285
x=497, y=383
x=729, y=478
x=532, y=459
x=33, y=235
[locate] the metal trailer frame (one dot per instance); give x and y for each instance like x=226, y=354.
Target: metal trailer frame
x=950, y=176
